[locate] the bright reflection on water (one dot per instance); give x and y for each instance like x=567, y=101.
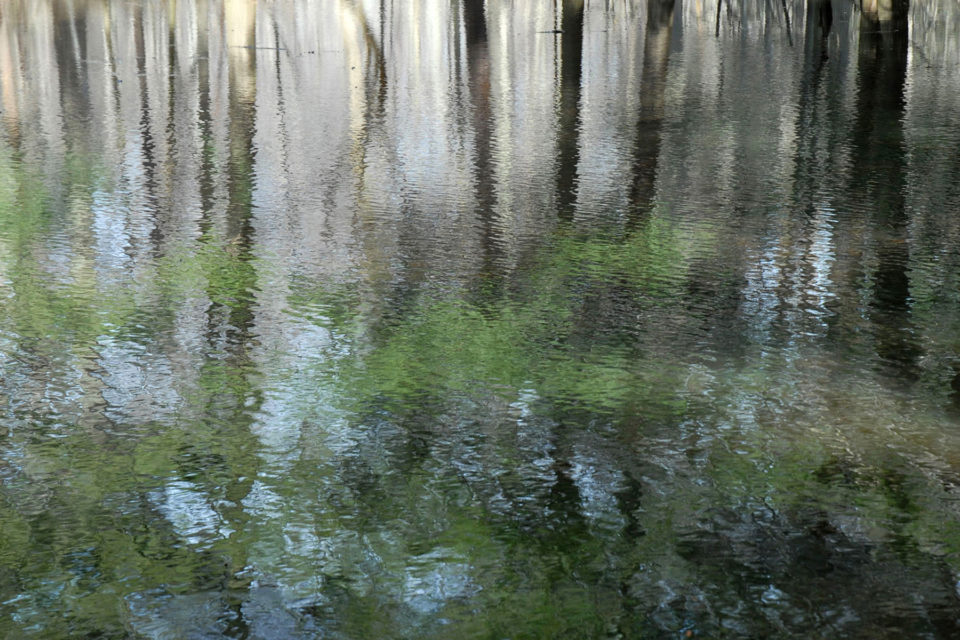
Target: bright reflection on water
x=351, y=319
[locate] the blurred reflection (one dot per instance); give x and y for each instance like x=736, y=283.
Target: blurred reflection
x=355, y=318
x=484, y=169
x=880, y=174
x=568, y=109
x=653, y=84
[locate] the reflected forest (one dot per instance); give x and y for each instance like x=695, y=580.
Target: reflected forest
x=361, y=319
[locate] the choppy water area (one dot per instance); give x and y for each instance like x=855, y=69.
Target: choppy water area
x=364, y=319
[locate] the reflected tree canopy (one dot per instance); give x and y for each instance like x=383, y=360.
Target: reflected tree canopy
x=359, y=319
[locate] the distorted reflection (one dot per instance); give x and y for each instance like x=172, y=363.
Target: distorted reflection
x=361, y=319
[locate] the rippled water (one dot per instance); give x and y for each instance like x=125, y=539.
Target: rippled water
x=357, y=319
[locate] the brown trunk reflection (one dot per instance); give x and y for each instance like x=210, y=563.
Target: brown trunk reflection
x=484, y=167
x=653, y=83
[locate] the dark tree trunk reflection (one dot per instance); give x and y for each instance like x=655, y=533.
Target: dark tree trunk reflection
x=568, y=126
x=484, y=166
x=878, y=141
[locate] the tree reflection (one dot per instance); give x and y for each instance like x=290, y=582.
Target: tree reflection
x=653, y=82
x=250, y=388
x=483, y=121
x=879, y=174
x=568, y=107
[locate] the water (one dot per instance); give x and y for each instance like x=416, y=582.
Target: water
x=356, y=319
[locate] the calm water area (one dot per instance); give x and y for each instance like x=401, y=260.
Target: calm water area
x=361, y=319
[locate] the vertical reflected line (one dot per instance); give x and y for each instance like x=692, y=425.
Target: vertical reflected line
x=240, y=181
x=239, y=36
x=375, y=100
x=242, y=92
x=458, y=54
x=568, y=116
x=74, y=37
x=564, y=498
x=653, y=83
x=374, y=96
x=807, y=168
x=368, y=104
x=162, y=136
x=207, y=166
x=12, y=78
x=237, y=250
x=146, y=124
x=383, y=22
x=360, y=118
x=786, y=16
x=880, y=174
x=69, y=59
x=43, y=56
x=811, y=172
x=367, y=124
x=184, y=219
x=233, y=318
x=239, y=26
x=67, y=39
x=484, y=169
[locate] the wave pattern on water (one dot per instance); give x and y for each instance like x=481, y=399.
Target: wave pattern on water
x=350, y=319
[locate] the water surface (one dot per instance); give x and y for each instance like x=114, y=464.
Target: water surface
x=360, y=319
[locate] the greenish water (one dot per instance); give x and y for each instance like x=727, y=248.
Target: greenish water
x=351, y=319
